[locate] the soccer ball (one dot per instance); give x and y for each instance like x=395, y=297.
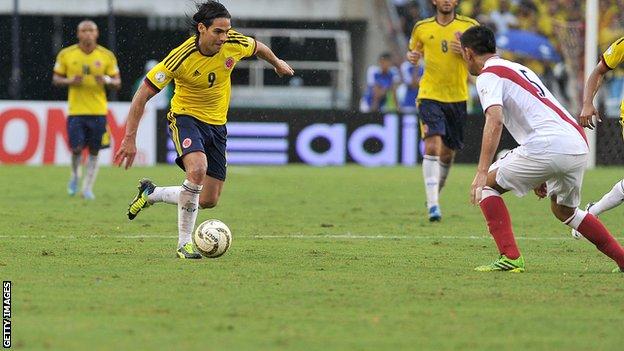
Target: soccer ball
x=212, y=238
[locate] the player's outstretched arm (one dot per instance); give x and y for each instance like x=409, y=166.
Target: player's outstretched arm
x=281, y=67
x=491, y=138
x=127, y=150
x=586, y=118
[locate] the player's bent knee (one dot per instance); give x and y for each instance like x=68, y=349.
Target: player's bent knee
x=562, y=213
x=196, y=174
x=208, y=203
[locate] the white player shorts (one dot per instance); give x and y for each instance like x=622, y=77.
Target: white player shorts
x=522, y=173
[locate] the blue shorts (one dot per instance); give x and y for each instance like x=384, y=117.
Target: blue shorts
x=190, y=135
x=86, y=130
x=446, y=119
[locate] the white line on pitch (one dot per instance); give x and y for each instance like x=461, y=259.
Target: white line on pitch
x=398, y=237
x=293, y=236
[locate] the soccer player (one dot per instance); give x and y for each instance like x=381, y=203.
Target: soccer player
x=87, y=69
x=201, y=69
x=550, y=160
x=609, y=60
x=442, y=95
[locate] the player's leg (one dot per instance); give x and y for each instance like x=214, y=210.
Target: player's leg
x=96, y=127
x=512, y=173
x=195, y=165
x=148, y=193
x=432, y=128
x=612, y=199
x=499, y=225
x=76, y=137
x=447, y=155
x=211, y=192
x=564, y=191
x=216, y=137
x=431, y=175
x=455, y=115
x=591, y=228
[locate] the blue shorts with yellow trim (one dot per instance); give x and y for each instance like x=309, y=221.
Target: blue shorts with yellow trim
x=190, y=135
x=86, y=130
x=446, y=119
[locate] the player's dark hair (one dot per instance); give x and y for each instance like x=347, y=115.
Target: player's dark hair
x=480, y=39
x=208, y=11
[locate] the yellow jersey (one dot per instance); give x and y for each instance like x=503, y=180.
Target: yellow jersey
x=202, y=83
x=613, y=57
x=88, y=98
x=446, y=75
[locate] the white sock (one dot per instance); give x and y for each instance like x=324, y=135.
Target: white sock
x=431, y=175
x=444, y=171
x=75, y=163
x=91, y=173
x=166, y=194
x=188, y=204
x=575, y=220
x=612, y=199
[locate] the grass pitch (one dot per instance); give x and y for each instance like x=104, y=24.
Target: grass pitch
x=322, y=259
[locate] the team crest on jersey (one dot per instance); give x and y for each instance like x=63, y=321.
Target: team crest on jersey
x=160, y=77
x=97, y=63
x=186, y=143
x=229, y=63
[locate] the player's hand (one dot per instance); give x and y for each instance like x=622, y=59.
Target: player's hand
x=477, y=187
x=541, y=191
x=77, y=80
x=413, y=56
x=456, y=44
x=283, y=69
x=103, y=80
x=586, y=118
x=456, y=47
x=127, y=151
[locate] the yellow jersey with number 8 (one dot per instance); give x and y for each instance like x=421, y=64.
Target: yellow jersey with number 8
x=445, y=78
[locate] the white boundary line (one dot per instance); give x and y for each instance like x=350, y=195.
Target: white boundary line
x=296, y=236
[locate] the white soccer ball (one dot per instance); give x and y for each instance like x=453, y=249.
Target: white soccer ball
x=212, y=238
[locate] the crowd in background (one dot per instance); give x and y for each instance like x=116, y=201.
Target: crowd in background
x=560, y=21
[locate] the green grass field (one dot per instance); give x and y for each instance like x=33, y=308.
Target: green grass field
x=322, y=259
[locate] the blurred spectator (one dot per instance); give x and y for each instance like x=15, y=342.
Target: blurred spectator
x=502, y=18
x=382, y=81
x=408, y=91
x=527, y=15
x=412, y=15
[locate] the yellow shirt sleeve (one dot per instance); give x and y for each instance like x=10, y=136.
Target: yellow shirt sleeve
x=246, y=45
x=159, y=76
x=414, y=42
x=60, y=66
x=614, y=54
x=112, y=69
